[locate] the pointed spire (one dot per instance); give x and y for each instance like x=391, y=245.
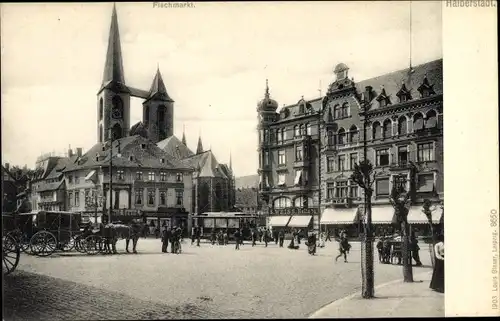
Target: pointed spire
x=158, y=89
x=230, y=161
x=199, y=148
x=267, y=88
x=184, y=135
x=113, y=68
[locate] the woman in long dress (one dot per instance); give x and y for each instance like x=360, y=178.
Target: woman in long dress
x=311, y=243
x=293, y=241
x=437, y=281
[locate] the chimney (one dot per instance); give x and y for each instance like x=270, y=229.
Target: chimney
x=70, y=152
x=368, y=93
x=7, y=166
x=79, y=152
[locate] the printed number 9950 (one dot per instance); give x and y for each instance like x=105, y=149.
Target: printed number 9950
x=493, y=218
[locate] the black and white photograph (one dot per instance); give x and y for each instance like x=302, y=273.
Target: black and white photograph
x=222, y=160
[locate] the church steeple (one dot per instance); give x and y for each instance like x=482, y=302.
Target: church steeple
x=158, y=90
x=184, y=135
x=113, y=68
x=199, y=148
x=230, y=160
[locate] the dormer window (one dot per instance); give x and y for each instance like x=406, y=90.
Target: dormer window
x=143, y=146
x=383, y=99
x=131, y=158
x=403, y=94
x=426, y=89
x=162, y=160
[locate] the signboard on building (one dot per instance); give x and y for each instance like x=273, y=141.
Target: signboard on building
x=295, y=211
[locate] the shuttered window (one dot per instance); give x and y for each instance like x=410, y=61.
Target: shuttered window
x=382, y=186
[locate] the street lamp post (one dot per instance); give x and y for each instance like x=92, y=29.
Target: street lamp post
x=319, y=169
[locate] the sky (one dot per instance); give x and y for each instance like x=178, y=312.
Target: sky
x=214, y=59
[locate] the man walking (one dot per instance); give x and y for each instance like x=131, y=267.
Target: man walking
x=254, y=237
x=164, y=239
x=281, y=236
x=414, y=248
x=237, y=236
x=265, y=236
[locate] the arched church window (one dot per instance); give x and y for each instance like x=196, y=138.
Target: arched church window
x=100, y=133
x=117, y=109
x=101, y=109
x=117, y=131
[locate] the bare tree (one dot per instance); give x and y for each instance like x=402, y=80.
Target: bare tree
x=401, y=201
x=363, y=175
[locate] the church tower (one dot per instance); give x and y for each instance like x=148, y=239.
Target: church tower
x=113, y=98
x=158, y=111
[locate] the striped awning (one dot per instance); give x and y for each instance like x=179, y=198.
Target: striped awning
x=416, y=216
x=279, y=220
x=300, y=221
x=333, y=216
x=382, y=214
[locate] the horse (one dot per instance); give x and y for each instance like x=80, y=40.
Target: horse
x=118, y=231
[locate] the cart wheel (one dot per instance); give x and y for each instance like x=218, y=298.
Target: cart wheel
x=10, y=254
x=79, y=244
x=24, y=244
x=92, y=244
x=43, y=243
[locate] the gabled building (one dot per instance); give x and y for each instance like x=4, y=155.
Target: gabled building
x=9, y=190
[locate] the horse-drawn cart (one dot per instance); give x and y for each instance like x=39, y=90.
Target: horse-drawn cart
x=10, y=254
x=20, y=227
x=55, y=231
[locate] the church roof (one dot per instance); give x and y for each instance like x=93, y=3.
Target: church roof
x=246, y=197
x=135, y=152
x=158, y=90
x=174, y=147
x=138, y=129
x=113, y=68
x=393, y=82
x=207, y=165
x=60, y=166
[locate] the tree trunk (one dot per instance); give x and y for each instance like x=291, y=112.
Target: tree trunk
x=433, y=242
x=368, y=275
x=405, y=252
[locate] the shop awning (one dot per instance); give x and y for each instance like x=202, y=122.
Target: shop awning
x=335, y=216
x=416, y=216
x=281, y=220
x=300, y=221
x=382, y=214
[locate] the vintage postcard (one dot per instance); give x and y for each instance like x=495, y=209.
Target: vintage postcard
x=192, y=160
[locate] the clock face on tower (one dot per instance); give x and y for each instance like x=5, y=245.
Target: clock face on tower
x=116, y=113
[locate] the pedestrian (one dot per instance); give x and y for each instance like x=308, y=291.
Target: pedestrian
x=437, y=281
x=311, y=243
x=292, y=244
x=266, y=236
x=237, y=235
x=414, y=248
x=212, y=236
x=260, y=235
x=322, y=239
x=281, y=236
x=226, y=237
x=193, y=235
x=164, y=239
x=254, y=237
x=343, y=247
x=172, y=239
x=328, y=235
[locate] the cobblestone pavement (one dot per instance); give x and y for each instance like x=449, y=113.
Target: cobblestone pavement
x=206, y=282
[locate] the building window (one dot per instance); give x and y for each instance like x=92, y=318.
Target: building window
x=399, y=182
x=425, y=183
x=138, y=176
x=382, y=187
x=120, y=174
x=403, y=155
x=337, y=111
x=341, y=137
x=138, y=196
x=353, y=160
x=70, y=198
x=266, y=158
x=279, y=136
x=178, y=177
x=298, y=153
x=330, y=138
x=353, y=134
x=418, y=122
x=387, y=128
x=281, y=157
x=301, y=202
x=353, y=190
x=376, y=130
x=383, y=103
x=303, y=130
x=151, y=176
x=298, y=177
x=151, y=197
x=163, y=198
x=431, y=121
x=163, y=176
x=77, y=198
x=402, y=125
x=77, y=179
x=283, y=134
x=281, y=179
x=308, y=129
x=330, y=163
x=266, y=136
x=425, y=152
x=70, y=179
x=296, y=130
x=179, y=196
x=382, y=156
x=345, y=110
x=305, y=177
x=330, y=190
x=341, y=189
x=342, y=166
x=282, y=202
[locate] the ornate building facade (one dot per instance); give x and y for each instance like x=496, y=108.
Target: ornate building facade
x=404, y=138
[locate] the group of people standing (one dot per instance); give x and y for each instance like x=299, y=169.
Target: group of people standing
x=174, y=236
